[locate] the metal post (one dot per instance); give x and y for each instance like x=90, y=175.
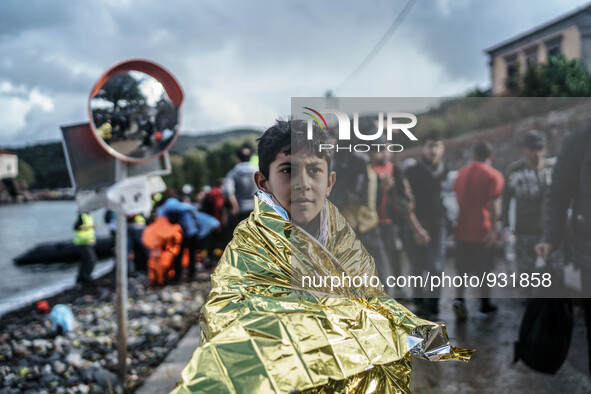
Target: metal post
x=121, y=282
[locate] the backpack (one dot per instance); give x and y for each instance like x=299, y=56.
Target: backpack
x=545, y=333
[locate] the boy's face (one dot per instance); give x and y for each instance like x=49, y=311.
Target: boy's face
x=300, y=183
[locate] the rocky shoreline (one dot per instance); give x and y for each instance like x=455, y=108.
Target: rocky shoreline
x=33, y=359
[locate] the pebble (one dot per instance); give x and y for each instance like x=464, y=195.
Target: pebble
x=105, y=379
x=199, y=300
x=146, y=309
x=85, y=360
x=41, y=345
x=74, y=358
x=177, y=322
x=135, y=342
x=6, y=351
x=24, y=371
x=59, y=367
x=177, y=298
x=46, y=369
x=153, y=329
x=20, y=350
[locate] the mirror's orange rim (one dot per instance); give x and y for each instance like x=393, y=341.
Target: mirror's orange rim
x=171, y=86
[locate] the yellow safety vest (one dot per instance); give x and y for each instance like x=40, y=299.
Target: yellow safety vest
x=157, y=197
x=105, y=131
x=85, y=236
x=139, y=219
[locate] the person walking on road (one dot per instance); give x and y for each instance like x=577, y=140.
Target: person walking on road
x=478, y=188
x=426, y=247
x=239, y=186
x=571, y=187
x=528, y=179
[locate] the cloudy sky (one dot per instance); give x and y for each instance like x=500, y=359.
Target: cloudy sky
x=239, y=62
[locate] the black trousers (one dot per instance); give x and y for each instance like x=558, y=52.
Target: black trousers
x=586, y=281
x=189, y=243
x=87, y=262
x=474, y=258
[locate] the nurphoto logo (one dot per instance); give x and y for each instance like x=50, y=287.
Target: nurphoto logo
x=393, y=125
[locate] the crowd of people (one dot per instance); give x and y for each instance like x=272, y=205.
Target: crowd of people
x=180, y=232
x=391, y=207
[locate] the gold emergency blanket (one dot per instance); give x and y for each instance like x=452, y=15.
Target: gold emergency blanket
x=263, y=333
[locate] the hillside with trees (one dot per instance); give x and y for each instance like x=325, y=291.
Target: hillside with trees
x=196, y=159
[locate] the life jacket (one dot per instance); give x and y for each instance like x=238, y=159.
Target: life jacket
x=85, y=236
x=164, y=241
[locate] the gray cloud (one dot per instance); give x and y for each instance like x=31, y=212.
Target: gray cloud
x=240, y=62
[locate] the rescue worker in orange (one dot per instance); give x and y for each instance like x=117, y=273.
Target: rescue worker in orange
x=163, y=238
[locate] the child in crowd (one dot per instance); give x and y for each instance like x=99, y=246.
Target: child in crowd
x=267, y=327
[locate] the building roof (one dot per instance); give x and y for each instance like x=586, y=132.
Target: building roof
x=568, y=17
x=6, y=152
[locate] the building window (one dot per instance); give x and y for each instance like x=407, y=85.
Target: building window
x=512, y=65
x=512, y=81
x=553, y=46
x=531, y=55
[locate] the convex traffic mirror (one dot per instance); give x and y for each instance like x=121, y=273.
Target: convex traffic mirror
x=134, y=110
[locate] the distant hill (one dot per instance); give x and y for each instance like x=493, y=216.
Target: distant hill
x=49, y=165
x=206, y=141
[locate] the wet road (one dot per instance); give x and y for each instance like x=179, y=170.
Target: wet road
x=491, y=369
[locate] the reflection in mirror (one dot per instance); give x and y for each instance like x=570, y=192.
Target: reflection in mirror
x=133, y=115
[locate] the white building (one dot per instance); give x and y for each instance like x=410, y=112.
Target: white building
x=8, y=164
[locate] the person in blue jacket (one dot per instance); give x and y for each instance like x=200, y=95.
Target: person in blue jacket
x=195, y=226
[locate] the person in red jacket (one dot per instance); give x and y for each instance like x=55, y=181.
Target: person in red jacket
x=478, y=188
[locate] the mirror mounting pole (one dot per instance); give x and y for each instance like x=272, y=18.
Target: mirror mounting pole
x=121, y=281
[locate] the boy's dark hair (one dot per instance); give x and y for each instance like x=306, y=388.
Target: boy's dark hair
x=482, y=150
x=288, y=137
x=432, y=135
x=244, y=153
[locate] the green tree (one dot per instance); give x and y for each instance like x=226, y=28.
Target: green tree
x=120, y=89
x=199, y=167
x=48, y=164
x=25, y=172
x=559, y=77
x=176, y=178
x=196, y=168
x=222, y=158
x=478, y=92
